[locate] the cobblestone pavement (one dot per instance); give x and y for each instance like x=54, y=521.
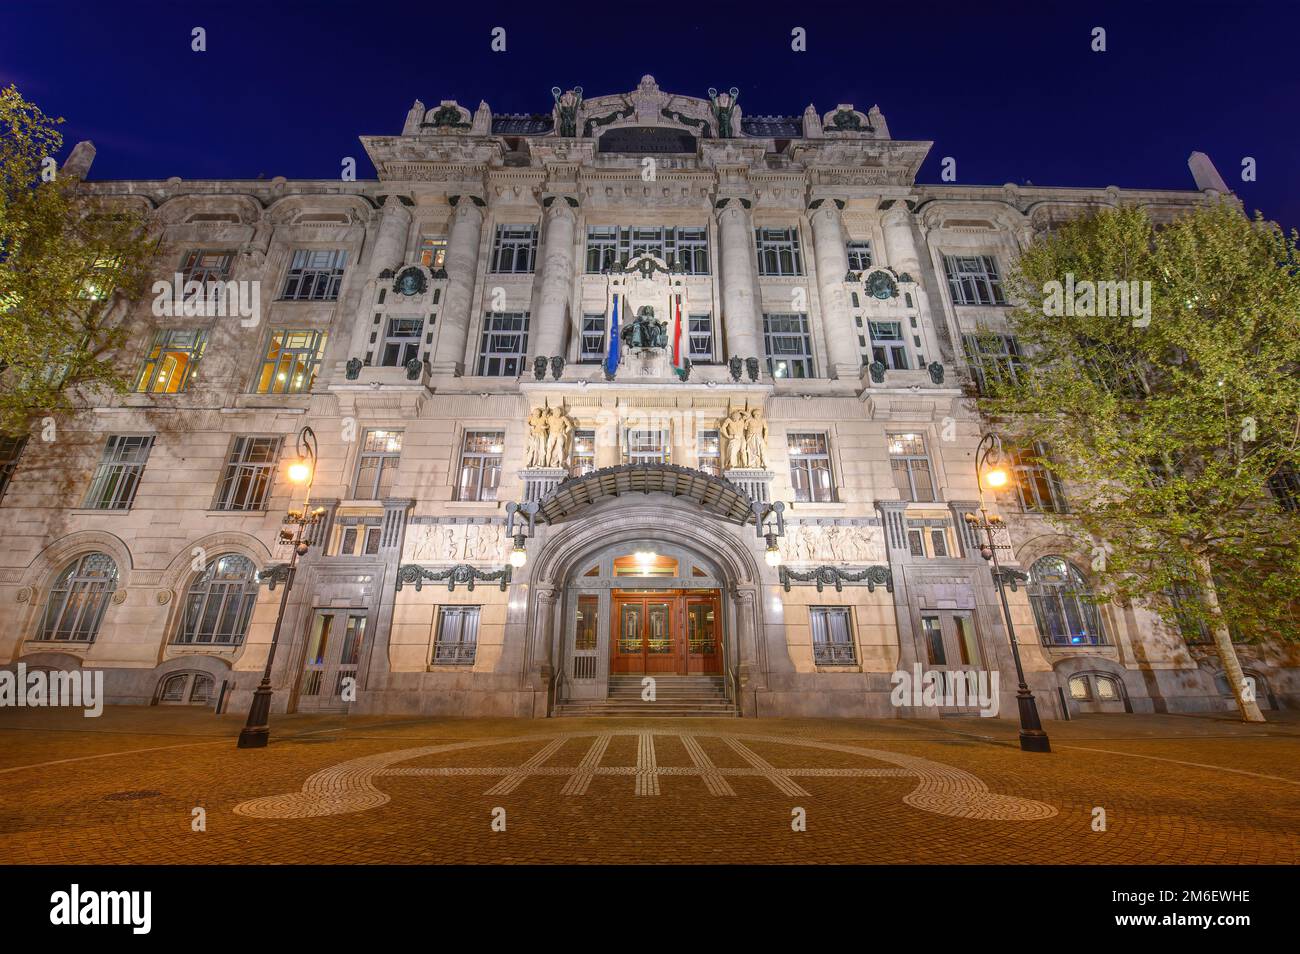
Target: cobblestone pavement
x=123, y=788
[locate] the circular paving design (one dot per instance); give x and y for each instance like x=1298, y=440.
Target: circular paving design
x=941, y=789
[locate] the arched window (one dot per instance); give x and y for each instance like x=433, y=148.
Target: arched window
x=79, y=598
x=1063, y=607
x=187, y=688
x=220, y=602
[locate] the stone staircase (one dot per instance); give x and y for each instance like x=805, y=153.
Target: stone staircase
x=675, y=697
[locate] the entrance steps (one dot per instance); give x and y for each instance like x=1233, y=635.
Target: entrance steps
x=675, y=697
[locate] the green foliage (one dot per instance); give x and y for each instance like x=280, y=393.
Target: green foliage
x=69, y=265
x=1168, y=432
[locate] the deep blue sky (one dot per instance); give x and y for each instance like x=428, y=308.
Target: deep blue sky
x=1012, y=91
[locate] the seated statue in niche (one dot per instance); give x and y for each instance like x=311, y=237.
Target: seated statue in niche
x=645, y=332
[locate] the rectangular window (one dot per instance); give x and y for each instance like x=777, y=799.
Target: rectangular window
x=457, y=636
x=401, y=342
x=602, y=248
x=480, y=465
x=203, y=267
x=433, y=253
x=938, y=543
x=505, y=344
x=710, y=455
x=249, y=473
x=1285, y=485
x=810, y=467
x=381, y=452
x=593, y=339
x=689, y=249
x=832, y=636
x=911, y=466
x=916, y=543
x=173, y=361
x=293, y=359
x=684, y=247
x=788, y=345
x=118, y=476
x=933, y=633
x=515, y=249
x=584, y=453
x=778, y=252
x=993, y=358
x=888, y=346
x=315, y=274
x=700, y=330
x=967, y=643
x=646, y=446
x=1037, y=487
x=11, y=448
x=373, y=537
x=974, y=280
x=859, y=256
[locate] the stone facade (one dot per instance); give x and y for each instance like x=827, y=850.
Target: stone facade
x=431, y=325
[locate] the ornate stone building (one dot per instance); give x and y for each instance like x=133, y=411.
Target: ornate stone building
x=795, y=320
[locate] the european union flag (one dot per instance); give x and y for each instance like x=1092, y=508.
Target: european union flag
x=612, y=351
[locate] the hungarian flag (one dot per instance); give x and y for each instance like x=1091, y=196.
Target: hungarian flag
x=678, y=338
x=612, y=352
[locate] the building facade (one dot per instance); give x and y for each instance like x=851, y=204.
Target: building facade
x=445, y=333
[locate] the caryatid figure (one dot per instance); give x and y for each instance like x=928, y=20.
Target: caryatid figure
x=756, y=439
x=732, y=432
x=537, y=443
x=559, y=430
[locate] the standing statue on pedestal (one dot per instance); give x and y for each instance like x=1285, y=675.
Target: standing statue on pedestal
x=559, y=437
x=723, y=107
x=732, y=431
x=566, y=111
x=535, y=453
x=756, y=440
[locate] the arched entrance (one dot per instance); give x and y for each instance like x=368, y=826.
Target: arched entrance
x=641, y=607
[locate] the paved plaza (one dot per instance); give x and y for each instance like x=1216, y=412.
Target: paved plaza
x=124, y=788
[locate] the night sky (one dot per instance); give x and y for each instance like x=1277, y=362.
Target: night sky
x=1012, y=91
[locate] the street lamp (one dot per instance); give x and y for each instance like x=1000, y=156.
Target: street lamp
x=769, y=521
x=990, y=468
x=257, y=731
x=520, y=525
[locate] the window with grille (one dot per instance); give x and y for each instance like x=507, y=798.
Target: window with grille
x=888, y=346
x=401, y=342
x=118, y=475
x=859, y=254
x=788, y=345
x=292, y=361
x=710, y=452
x=249, y=473
x=646, y=446
x=480, y=465
x=1037, y=487
x=381, y=452
x=11, y=448
x=911, y=466
x=993, y=358
x=779, y=253
x=315, y=274
x=504, y=345
x=593, y=339
x=1285, y=485
x=433, y=253
x=1063, y=606
x=173, y=361
x=701, y=349
x=514, y=249
x=810, y=467
x=584, y=453
x=219, y=603
x=832, y=636
x=203, y=266
x=78, y=599
x=974, y=280
x=457, y=638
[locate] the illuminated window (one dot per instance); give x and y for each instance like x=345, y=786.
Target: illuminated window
x=646, y=446
x=710, y=455
x=1063, y=606
x=645, y=563
x=911, y=467
x=457, y=639
x=810, y=467
x=480, y=465
x=219, y=604
x=433, y=253
x=203, y=267
x=584, y=453
x=173, y=361
x=293, y=359
x=832, y=635
x=788, y=345
x=249, y=473
x=381, y=452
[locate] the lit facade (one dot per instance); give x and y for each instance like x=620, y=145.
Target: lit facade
x=444, y=332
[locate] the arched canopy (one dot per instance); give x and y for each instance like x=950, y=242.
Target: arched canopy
x=717, y=496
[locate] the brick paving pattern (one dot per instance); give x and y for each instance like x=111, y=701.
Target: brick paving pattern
x=333, y=789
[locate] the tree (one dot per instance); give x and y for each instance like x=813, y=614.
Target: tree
x=69, y=264
x=1172, y=418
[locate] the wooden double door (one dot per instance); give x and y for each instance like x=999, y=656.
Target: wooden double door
x=666, y=631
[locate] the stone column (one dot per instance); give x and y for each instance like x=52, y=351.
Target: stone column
x=552, y=318
x=900, y=246
x=462, y=271
x=832, y=263
x=739, y=311
x=390, y=243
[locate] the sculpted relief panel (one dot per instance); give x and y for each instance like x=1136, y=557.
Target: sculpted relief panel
x=455, y=543
x=550, y=438
x=744, y=439
x=833, y=543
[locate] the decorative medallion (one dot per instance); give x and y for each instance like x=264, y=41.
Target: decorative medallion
x=164, y=597
x=23, y=595
x=881, y=284
x=411, y=281
x=119, y=596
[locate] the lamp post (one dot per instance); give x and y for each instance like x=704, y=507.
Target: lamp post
x=769, y=522
x=257, y=731
x=1032, y=736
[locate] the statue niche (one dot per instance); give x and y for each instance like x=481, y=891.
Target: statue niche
x=550, y=438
